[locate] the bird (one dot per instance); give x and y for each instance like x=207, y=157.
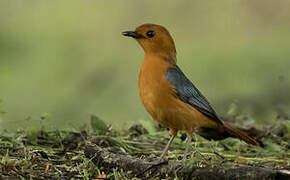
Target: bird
x=170, y=97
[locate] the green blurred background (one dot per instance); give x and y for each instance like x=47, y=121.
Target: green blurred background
x=68, y=58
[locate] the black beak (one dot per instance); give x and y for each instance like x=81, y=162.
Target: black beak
x=132, y=34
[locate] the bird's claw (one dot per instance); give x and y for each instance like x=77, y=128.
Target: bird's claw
x=152, y=165
x=158, y=162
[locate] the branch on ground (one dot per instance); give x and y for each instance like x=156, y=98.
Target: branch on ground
x=102, y=157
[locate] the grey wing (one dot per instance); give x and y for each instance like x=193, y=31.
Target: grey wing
x=188, y=93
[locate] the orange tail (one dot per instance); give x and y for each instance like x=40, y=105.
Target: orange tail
x=241, y=135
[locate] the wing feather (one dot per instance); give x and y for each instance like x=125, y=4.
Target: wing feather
x=188, y=93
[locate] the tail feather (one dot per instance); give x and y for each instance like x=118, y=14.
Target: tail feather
x=241, y=135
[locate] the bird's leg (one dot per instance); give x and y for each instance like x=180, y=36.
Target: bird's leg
x=167, y=147
x=189, y=138
x=161, y=160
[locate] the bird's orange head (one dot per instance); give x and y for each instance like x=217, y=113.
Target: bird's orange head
x=154, y=39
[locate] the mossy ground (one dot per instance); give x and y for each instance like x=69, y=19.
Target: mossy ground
x=40, y=154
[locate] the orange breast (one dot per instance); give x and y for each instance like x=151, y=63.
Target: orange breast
x=159, y=99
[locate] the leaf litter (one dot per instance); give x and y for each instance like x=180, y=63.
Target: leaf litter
x=40, y=154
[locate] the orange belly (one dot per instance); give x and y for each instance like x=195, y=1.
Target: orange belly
x=159, y=99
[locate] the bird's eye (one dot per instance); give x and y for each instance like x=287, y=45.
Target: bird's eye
x=150, y=34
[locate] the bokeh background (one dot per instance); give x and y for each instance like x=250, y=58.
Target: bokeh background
x=67, y=59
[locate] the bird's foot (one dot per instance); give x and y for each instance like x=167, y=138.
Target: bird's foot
x=158, y=162
x=153, y=165
x=183, y=161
